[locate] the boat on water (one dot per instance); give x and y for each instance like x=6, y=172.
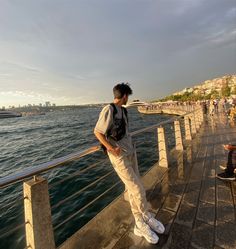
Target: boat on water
x=137, y=103
x=27, y=114
x=9, y=114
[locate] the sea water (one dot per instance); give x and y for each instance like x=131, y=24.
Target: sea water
x=29, y=141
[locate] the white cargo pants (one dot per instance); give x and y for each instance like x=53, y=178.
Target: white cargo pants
x=127, y=169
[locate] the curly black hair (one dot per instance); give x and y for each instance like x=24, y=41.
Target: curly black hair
x=122, y=89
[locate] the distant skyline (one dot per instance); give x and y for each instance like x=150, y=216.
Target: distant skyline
x=74, y=52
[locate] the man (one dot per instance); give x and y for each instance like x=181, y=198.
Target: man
x=232, y=112
x=230, y=167
x=112, y=132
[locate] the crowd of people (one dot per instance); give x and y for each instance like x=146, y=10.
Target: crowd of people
x=228, y=107
x=158, y=106
x=210, y=107
x=224, y=105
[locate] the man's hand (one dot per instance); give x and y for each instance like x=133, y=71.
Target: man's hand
x=115, y=151
x=229, y=147
x=102, y=139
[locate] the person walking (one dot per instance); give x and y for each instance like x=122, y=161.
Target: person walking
x=112, y=132
x=211, y=108
x=230, y=167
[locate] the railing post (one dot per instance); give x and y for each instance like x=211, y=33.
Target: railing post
x=193, y=124
x=178, y=136
x=163, y=157
x=188, y=135
x=180, y=164
x=39, y=231
x=198, y=120
x=201, y=115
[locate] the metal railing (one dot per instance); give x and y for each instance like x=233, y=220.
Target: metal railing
x=29, y=172
x=42, y=168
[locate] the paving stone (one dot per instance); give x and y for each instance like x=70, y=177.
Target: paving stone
x=208, y=194
x=217, y=247
x=156, y=202
x=160, y=245
x=172, y=202
x=224, y=193
x=225, y=211
x=177, y=188
x=192, y=247
x=226, y=235
x=186, y=215
x=206, y=212
x=179, y=237
x=233, y=184
x=130, y=240
x=166, y=217
x=223, y=183
x=202, y=235
x=194, y=185
x=196, y=173
x=191, y=196
x=208, y=183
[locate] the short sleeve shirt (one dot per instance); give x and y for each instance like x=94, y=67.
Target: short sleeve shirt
x=105, y=122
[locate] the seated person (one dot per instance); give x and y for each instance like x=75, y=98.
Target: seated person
x=228, y=173
x=232, y=112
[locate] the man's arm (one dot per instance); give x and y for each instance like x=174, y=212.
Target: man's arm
x=229, y=147
x=102, y=139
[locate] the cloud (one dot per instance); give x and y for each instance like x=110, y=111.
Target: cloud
x=10, y=65
x=80, y=47
x=22, y=97
x=222, y=37
x=181, y=7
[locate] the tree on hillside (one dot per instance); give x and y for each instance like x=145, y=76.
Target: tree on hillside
x=233, y=91
x=215, y=94
x=225, y=90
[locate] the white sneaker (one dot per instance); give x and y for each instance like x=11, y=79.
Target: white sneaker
x=141, y=229
x=154, y=224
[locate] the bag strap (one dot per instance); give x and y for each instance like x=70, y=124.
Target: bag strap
x=123, y=110
x=126, y=113
x=114, y=110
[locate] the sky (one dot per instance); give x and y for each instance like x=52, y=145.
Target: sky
x=75, y=51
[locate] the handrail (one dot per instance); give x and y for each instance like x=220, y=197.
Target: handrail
x=29, y=172
x=16, y=177
x=152, y=127
x=77, y=173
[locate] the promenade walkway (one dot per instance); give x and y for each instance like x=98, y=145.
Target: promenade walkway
x=198, y=210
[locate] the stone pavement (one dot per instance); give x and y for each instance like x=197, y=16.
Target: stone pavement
x=198, y=210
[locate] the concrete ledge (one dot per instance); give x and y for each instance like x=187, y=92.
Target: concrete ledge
x=163, y=111
x=105, y=229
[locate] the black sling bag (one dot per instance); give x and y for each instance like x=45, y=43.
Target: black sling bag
x=118, y=129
